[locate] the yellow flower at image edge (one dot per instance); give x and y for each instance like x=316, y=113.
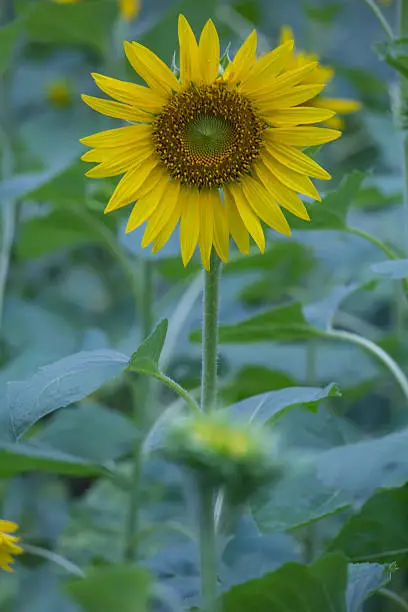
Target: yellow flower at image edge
x=218, y=153
x=322, y=74
x=8, y=544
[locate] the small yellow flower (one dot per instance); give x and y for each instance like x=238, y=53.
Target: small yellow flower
x=323, y=74
x=8, y=546
x=219, y=152
x=59, y=93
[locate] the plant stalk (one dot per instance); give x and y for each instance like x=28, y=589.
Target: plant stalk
x=140, y=410
x=206, y=493
x=403, y=106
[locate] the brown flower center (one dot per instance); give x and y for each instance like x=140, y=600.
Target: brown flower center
x=208, y=136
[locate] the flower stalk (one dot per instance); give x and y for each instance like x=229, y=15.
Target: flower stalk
x=140, y=410
x=205, y=497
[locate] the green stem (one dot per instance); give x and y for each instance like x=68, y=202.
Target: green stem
x=381, y=18
x=375, y=241
x=8, y=207
x=140, y=410
x=376, y=350
x=205, y=497
x=52, y=556
x=403, y=106
x=210, y=337
x=394, y=597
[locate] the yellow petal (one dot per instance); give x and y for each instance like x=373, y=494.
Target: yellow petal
x=131, y=134
x=162, y=214
x=129, y=187
x=279, y=192
x=205, y=203
x=296, y=160
x=116, y=109
x=247, y=215
x=130, y=93
x=298, y=115
x=293, y=180
x=338, y=105
x=8, y=526
x=293, y=97
x=263, y=205
x=337, y=123
x=189, y=224
x=237, y=228
x=102, y=154
x=221, y=230
x=120, y=163
x=283, y=83
x=13, y=549
x=190, y=70
x=303, y=136
x=145, y=206
x=209, y=50
x=151, y=68
x=267, y=67
x=286, y=34
x=243, y=61
x=167, y=231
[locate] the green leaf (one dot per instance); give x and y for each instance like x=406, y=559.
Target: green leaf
x=364, y=580
x=252, y=380
x=72, y=431
x=327, y=482
x=331, y=213
x=62, y=228
x=21, y=185
x=8, y=38
x=145, y=359
x=379, y=532
x=70, y=23
x=60, y=384
x=395, y=269
x=395, y=53
x=269, y=407
x=281, y=323
x=105, y=589
x=25, y=457
x=324, y=14
x=321, y=586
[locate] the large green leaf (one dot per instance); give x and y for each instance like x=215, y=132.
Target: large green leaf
x=379, y=532
x=8, y=38
x=60, y=384
x=395, y=269
x=73, y=431
x=105, y=589
x=319, y=484
x=269, y=407
x=363, y=580
x=26, y=457
x=281, y=323
x=294, y=588
x=70, y=23
x=331, y=213
x=60, y=229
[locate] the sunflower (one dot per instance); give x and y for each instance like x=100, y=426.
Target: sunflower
x=8, y=546
x=217, y=150
x=322, y=74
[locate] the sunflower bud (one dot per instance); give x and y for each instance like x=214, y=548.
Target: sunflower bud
x=238, y=456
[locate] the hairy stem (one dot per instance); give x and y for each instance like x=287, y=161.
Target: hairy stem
x=381, y=18
x=208, y=557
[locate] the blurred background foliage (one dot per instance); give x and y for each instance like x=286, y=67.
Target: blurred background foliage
x=71, y=281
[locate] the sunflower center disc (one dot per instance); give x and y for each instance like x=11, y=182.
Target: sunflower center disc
x=208, y=136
